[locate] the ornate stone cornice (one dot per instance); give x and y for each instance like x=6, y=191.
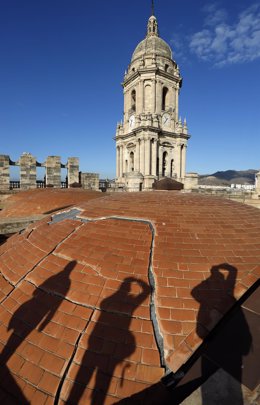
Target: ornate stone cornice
x=131, y=76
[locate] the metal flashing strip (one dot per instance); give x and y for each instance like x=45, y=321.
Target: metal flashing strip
x=61, y=216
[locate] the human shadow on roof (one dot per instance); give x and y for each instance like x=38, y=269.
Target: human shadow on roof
x=10, y=392
x=217, y=365
x=34, y=314
x=224, y=350
x=109, y=344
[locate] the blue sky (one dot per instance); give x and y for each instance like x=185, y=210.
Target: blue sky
x=62, y=64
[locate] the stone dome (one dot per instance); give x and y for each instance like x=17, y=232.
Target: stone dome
x=152, y=44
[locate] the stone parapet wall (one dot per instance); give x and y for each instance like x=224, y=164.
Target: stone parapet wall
x=90, y=181
x=28, y=172
x=14, y=225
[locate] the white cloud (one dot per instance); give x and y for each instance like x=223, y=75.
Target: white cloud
x=214, y=15
x=222, y=43
x=178, y=44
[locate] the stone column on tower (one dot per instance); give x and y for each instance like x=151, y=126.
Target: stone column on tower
x=141, y=109
x=160, y=158
x=124, y=159
x=154, y=157
x=137, y=156
x=176, y=102
x=158, y=96
x=183, y=161
x=117, y=161
x=178, y=160
x=142, y=156
x=147, y=156
x=153, y=104
x=121, y=160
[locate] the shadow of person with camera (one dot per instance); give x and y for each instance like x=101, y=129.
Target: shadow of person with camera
x=34, y=314
x=111, y=332
x=232, y=341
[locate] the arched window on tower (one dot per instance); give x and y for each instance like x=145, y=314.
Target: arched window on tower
x=132, y=157
x=165, y=98
x=164, y=163
x=133, y=100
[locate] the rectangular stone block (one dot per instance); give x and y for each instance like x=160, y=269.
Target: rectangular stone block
x=90, y=181
x=73, y=171
x=4, y=172
x=53, y=171
x=27, y=164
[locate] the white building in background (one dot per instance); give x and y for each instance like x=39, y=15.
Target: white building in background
x=248, y=187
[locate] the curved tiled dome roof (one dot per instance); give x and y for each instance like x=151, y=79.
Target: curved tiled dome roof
x=43, y=201
x=77, y=288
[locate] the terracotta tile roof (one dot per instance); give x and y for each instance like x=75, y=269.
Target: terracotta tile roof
x=42, y=201
x=95, y=307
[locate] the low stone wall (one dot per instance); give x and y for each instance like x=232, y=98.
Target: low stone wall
x=14, y=225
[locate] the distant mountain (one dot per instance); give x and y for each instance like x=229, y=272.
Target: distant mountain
x=228, y=177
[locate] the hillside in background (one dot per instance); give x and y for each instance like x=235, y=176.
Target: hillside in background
x=228, y=177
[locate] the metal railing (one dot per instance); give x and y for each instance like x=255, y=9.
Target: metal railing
x=14, y=185
x=40, y=184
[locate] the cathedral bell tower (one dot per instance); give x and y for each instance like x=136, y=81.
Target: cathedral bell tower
x=151, y=140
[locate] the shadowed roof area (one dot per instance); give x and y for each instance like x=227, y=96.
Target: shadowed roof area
x=76, y=321
x=167, y=184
